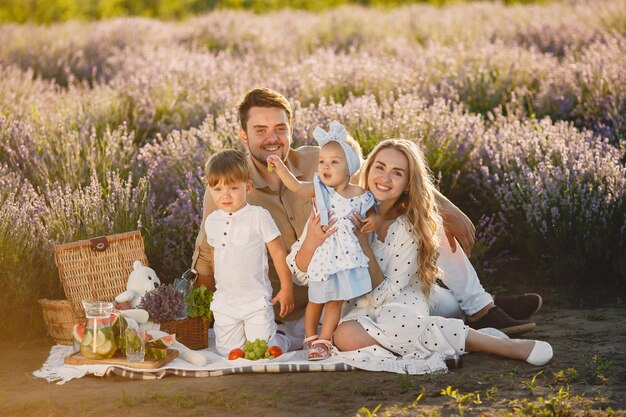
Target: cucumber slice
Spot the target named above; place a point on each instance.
(87, 338)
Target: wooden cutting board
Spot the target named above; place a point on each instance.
(78, 359)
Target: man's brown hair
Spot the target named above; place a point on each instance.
(228, 165)
(262, 97)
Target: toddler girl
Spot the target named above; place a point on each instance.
(338, 268)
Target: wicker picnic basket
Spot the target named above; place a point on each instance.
(97, 269)
(59, 319)
(191, 332)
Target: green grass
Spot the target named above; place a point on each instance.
(601, 368)
(552, 406)
(566, 376)
(531, 385)
(462, 401)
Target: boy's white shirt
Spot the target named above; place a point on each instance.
(241, 259)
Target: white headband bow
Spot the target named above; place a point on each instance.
(337, 133)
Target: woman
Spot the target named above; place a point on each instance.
(405, 247)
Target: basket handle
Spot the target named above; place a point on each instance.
(99, 244)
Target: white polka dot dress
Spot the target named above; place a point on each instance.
(338, 268)
(396, 312)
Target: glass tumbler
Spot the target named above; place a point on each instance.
(135, 345)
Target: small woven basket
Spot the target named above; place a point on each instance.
(97, 269)
(59, 318)
(193, 333)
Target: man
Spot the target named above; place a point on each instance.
(266, 129)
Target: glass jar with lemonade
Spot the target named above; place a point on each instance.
(99, 339)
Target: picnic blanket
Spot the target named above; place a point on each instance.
(371, 359)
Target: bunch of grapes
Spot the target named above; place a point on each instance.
(256, 350)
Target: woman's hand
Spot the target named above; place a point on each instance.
(316, 232)
(359, 228)
(376, 274)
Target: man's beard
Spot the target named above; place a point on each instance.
(264, 161)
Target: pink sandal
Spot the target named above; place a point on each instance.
(320, 349)
(307, 342)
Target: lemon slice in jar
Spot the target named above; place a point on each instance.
(99, 338)
(104, 349)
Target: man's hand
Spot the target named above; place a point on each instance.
(457, 225)
(285, 298)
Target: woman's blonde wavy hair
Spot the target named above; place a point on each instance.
(417, 204)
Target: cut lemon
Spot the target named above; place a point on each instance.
(100, 339)
(105, 348)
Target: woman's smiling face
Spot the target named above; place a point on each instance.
(388, 175)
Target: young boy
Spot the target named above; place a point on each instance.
(239, 234)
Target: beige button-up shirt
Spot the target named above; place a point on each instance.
(289, 211)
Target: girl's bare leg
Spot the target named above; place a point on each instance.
(332, 315)
(312, 316)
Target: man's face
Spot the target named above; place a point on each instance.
(268, 132)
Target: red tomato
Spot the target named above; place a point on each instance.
(275, 351)
(236, 354)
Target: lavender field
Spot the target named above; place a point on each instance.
(105, 127)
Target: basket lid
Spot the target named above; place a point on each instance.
(98, 269)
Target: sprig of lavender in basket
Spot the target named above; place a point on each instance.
(162, 303)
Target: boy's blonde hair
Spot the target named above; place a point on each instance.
(418, 205)
(229, 166)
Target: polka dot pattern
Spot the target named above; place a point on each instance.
(396, 312)
(341, 251)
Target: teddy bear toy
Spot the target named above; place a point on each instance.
(141, 280)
